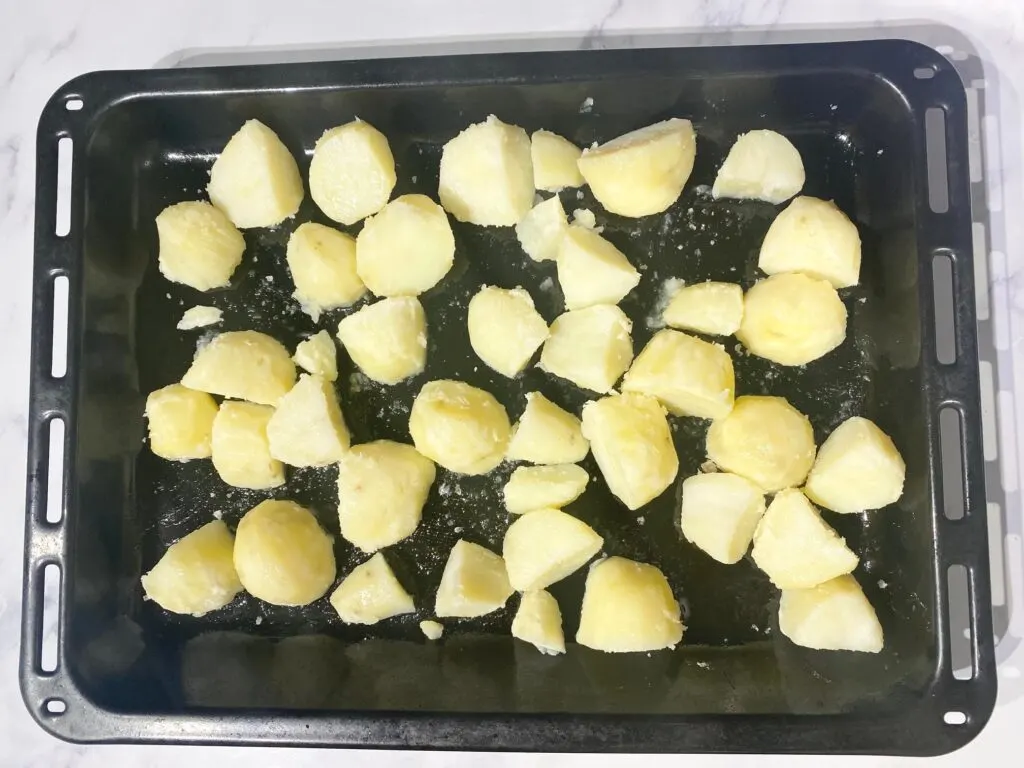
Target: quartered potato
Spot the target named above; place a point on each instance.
(505, 329)
(719, 513)
(241, 448)
(554, 485)
(590, 347)
(245, 365)
(371, 593)
(318, 356)
(546, 434)
(388, 339)
(834, 616)
(198, 317)
(539, 622)
(554, 162)
(761, 165)
(545, 546)
(814, 237)
(712, 308)
(541, 230)
(352, 172)
(474, 582)
(307, 428)
(322, 262)
(199, 246)
(592, 271)
(180, 423)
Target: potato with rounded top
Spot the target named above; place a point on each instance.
(814, 237)
(199, 246)
(590, 347)
(199, 317)
(540, 231)
(554, 162)
(371, 593)
(352, 172)
(241, 449)
(387, 339)
(322, 262)
(505, 329)
(307, 428)
(180, 423)
(834, 616)
(196, 574)
(539, 622)
(318, 356)
(244, 365)
(719, 513)
(474, 582)
(432, 630)
(553, 485)
(546, 434)
(593, 271)
(712, 308)
(761, 165)
(545, 546)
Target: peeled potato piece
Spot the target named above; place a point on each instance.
(583, 217)
(539, 622)
(474, 582)
(199, 317)
(632, 443)
(462, 428)
(382, 487)
(628, 607)
(318, 356)
(245, 365)
(858, 468)
(834, 616)
(352, 172)
(432, 630)
(792, 319)
(593, 271)
(641, 172)
(322, 262)
(795, 547)
(371, 593)
(180, 423)
(487, 174)
(554, 162)
(540, 231)
(388, 339)
(814, 237)
(545, 546)
(555, 485)
(241, 448)
(307, 428)
(719, 513)
(199, 246)
(282, 555)
(590, 347)
(761, 165)
(505, 329)
(255, 179)
(712, 308)
(764, 439)
(547, 434)
(406, 248)
(690, 377)
(196, 574)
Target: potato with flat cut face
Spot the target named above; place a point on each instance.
(474, 582)
(545, 546)
(318, 356)
(719, 513)
(352, 172)
(199, 246)
(432, 630)
(322, 262)
(540, 231)
(593, 271)
(834, 616)
(241, 448)
(371, 593)
(814, 237)
(307, 428)
(761, 165)
(547, 434)
(539, 622)
(388, 339)
(505, 329)
(199, 317)
(554, 162)
(245, 365)
(712, 308)
(590, 347)
(554, 485)
(180, 423)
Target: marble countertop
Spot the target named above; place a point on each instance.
(46, 42)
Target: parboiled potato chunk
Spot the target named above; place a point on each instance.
(307, 428)
(382, 487)
(690, 376)
(795, 547)
(255, 180)
(432, 630)
(554, 485)
(474, 582)
(554, 162)
(540, 231)
(487, 174)
(180, 423)
(719, 513)
(593, 271)
(539, 622)
(834, 616)
(245, 365)
(545, 546)
(712, 308)
(857, 469)
(547, 434)
(632, 443)
(371, 593)
(641, 172)
(322, 262)
(318, 356)
(199, 246)
(282, 555)
(764, 439)
(406, 248)
(388, 339)
(505, 329)
(199, 317)
(815, 237)
(761, 165)
(628, 607)
(590, 347)
(462, 428)
(196, 574)
(352, 172)
(241, 449)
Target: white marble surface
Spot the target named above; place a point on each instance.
(45, 42)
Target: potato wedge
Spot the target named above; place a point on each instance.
(318, 356)
(719, 513)
(712, 308)
(834, 616)
(322, 262)
(592, 271)
(241, 449)
(180, 423)
(371, 593)
(196, 574)
(554, 162)
(505, 330)
(245, 365)
(545, 546)
(539, 622)
(307, 428)
(352, 172)
(541, 230)
(761, 165)
(590, 347)
(388, 339)
(474, 582)
(546, 434)
(554, 485)
(814, 237)
(199, 246)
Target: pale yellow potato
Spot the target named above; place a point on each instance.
(814, 237)
(255, 180)
(245, 365)
(198, 317)
(545, 546)
(593, 271)
(199, 246)
(322, 262)
(641, 172)
(554, 162)
(432, 630)
(764, 439)
(712, 308)
(834, 616)
(546, 434)
(318, 356)
(282, 555)
(196, 574)
(505, 329)
(388, 339)
(180, 423)
(241, 448)
(690, 376)
(541, 230)
(371, 593)
(632, 444)
(719, 512)
(858, 468)
(795, 547)
(792, 319)
(307, 428)
(462, 428)
(382, 487)
(406, 248)
(583, 217)
(590, 347)
(352, 172)
(761, 165)
(474, 582)
(553, 485)
(539, 622)
(628, 607)
(487, 174)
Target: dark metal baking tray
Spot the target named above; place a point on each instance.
(252, 673)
